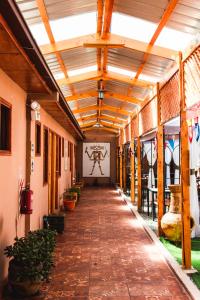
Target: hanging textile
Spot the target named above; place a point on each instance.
(176, 159)
(194, 202)
(168, 158)
(150, 150)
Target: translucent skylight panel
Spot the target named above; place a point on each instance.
(121, 71)
(59, 75)
(149, 78)
(174, 39)
(82, 70)
(132, 27)
(74, 26)
(39, 32)
(142, 30)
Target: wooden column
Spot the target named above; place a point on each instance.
(120, 168)
(185, 173)
(160, 164)
(117, 166)
(124, 168)
(139, 174)
(132, 172)
(28, 156)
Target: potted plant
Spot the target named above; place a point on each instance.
(75, 189)
(31, 261)
(69, 200)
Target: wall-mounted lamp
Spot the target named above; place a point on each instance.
(35, 105)
(35, 113)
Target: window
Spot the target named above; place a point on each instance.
(5, 127)
(37, 138)
(45, 155)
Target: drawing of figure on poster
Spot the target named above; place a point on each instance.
(96, 160)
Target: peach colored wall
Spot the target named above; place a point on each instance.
(12, 169)
(40, 196)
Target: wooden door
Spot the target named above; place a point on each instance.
(53, 177)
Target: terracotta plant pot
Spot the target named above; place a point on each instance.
(69, 204)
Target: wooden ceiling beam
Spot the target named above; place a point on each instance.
(101, 128)
(96, 75)
(108, 8)
(114, 41)
(85, 95)
(99, 30)
(126, 79)
(90, 117)
(103, 107)
(103, 117)
(45, 20)
(107, 95)
(110, 125)
(93, 75)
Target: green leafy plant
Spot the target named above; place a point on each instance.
(32, 256)
(75, 190)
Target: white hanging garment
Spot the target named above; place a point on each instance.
(168, 158)
(194, 202)
(151, 157)
(176, 158)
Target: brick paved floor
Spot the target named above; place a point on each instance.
(105, 254)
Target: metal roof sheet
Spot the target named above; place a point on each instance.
(79, 58)
(143, 9)
(83, 86)
(30, 11)
(186, 16)
(64, 8)
(125, 58)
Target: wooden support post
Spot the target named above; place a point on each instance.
(132, 172)
(120, 168)
(117, 165)
(28, 156)
(139, 174)
(185, 174)
(160, 164)
(124, 168)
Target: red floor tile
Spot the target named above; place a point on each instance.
(105, 254)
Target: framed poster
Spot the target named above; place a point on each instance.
(96, 159)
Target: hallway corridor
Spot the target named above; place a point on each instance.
(105, 254)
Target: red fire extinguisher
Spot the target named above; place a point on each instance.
(26, 201)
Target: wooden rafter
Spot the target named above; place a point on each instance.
(103, 117)
(114, 41)
(101, 128)
(103, 107)
(45, 19)
(95, 75)
(90, 124)
(87, 118)
(160, 27)
(99, 30)
(108, 8)
(114, 119)
(108, 95)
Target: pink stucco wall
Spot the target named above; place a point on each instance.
(40, 196)
(13, 167)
